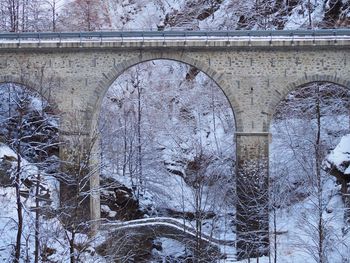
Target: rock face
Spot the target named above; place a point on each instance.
(337, 163)
(192, 11)
(118, 201)
(7, 162)
(5, 166)
(336, 13)
(127, 246)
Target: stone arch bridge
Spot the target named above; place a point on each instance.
(255, 70)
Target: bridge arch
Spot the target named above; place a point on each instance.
(116, 72)
(120, 68)
(31, 86)
(305, 125)
(302, 82)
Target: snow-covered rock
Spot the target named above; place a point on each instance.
(339, 158)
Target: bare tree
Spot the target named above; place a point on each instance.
(87, 15)
(24, 15)
(55, 6)
(28, 130)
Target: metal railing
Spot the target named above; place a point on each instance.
(172, 34)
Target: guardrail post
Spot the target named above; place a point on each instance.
(292, 35)
(250, 40)
(101, 39)
(39, 44)
(185, 43)
(164, 44)
(19, 40)
(314, 38)
(80, 42)
(270, 39)
(206, 42)
(335, 37)
(228, 39)
(60, 37)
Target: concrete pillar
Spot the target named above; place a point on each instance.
(80, 166)
(252, 195)
(95, 205)
(74, 181)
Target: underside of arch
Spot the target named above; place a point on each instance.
(29, 85)
(303, 82)
(120, 68)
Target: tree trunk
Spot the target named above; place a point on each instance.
(54, 16)
(214, 122)
(18, 196)
(309, 13)
(139, 146)
(37, 221)
(275, 234)
(125, 144)
(71, 248)
(319, 179)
